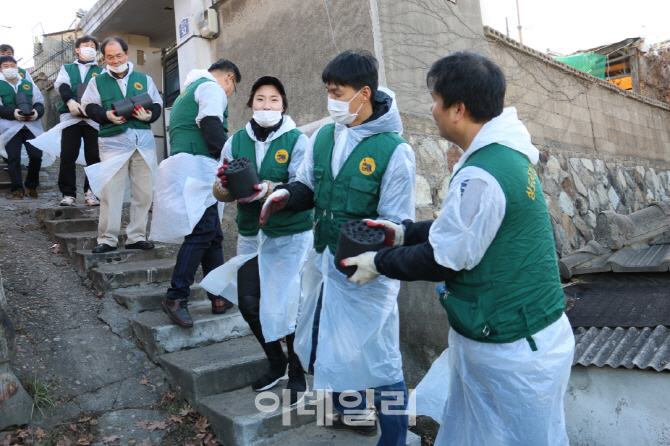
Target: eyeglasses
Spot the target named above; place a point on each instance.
(234, 83)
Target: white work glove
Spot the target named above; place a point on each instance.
(32, 117)
(395, 233)
(118, 120)
(75, 108)
(18, 115)
(141, 114)
(366, 270)
(262, 189)
(275, 202)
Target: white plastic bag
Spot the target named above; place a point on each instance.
(50, 142)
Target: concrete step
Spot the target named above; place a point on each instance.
(71, 225)
(74, 241)
(313, 435)
(65, 213)
(216, 368)
(159, 335)
(6, 186)
(4, 175)
(149, 297)
(108, 277)
(238, 422)
(85, 260)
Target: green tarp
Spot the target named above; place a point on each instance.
(591, 63)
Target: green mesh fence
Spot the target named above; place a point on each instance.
(591, 63)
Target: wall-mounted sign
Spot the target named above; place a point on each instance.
(183, 28)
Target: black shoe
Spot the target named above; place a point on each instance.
(220, 306)
(297, 386)
(269, 380)
(177, 310)
(142, 244)
(362, 428)
(103, 247)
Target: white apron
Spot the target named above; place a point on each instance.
(50, 142)
(280, 264)
(500, 394)
(359, 340)
(184, 184)
(11, 128)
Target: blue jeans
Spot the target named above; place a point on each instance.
(201, 247)
(394, 427)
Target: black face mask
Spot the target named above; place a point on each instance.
(262, 133)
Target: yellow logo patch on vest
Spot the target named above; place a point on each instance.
(138, 86)
(22, 75)
(281, 156)
(367, 166)
(26, 87)
(94, 74)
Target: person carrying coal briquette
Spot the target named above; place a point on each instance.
(505, 373)
(358, 167)
(264, 277)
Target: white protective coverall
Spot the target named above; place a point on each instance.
(9, 128)
(50, 142)
(359, 341)
(280, 259)
(118, 154)
(184, 181)
(482, 393)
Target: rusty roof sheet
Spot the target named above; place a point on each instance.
(641, 348)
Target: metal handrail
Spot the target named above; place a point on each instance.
(51, 61)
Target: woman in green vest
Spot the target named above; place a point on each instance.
(264, 278)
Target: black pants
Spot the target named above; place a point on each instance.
(69, 151)
(249, 298)
(201, 247)
(13, 148)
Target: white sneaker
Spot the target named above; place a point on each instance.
(68, 201)
(91, 199)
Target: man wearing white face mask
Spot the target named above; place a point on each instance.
(184, 208)
(269, 260)
(75, 125)
(357, 168)
(18, 126)
(127, 147)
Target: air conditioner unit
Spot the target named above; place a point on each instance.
(209, 26)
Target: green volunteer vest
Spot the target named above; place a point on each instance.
(354, 194)
(75, 79)
(515, 291)
(274, 168)
(110, 92)
(7, 92)
(185, 135)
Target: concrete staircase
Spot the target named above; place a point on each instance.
(214, 363)
(47, 187)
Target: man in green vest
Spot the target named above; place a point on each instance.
(510, 343)
(71, 112)
(127, 147)
(18, 127)
(8, 50)
(197, 136)
(358, 167)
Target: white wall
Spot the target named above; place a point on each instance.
(618, 407)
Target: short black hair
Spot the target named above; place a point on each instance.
(227, 67)
(357, 69)
(86, 39)
(119, 40)
(5, 47)
(471, 79)
(269, 80)
(4, 59)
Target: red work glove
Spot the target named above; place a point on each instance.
(275, 202)
(395, 233)
(221, 173)
(262, 191)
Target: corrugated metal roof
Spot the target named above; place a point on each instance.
(623, 347)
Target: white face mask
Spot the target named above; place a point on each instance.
(267, 118)
(10, 73)
(120, 69)
(87, 53)
(339, 110)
